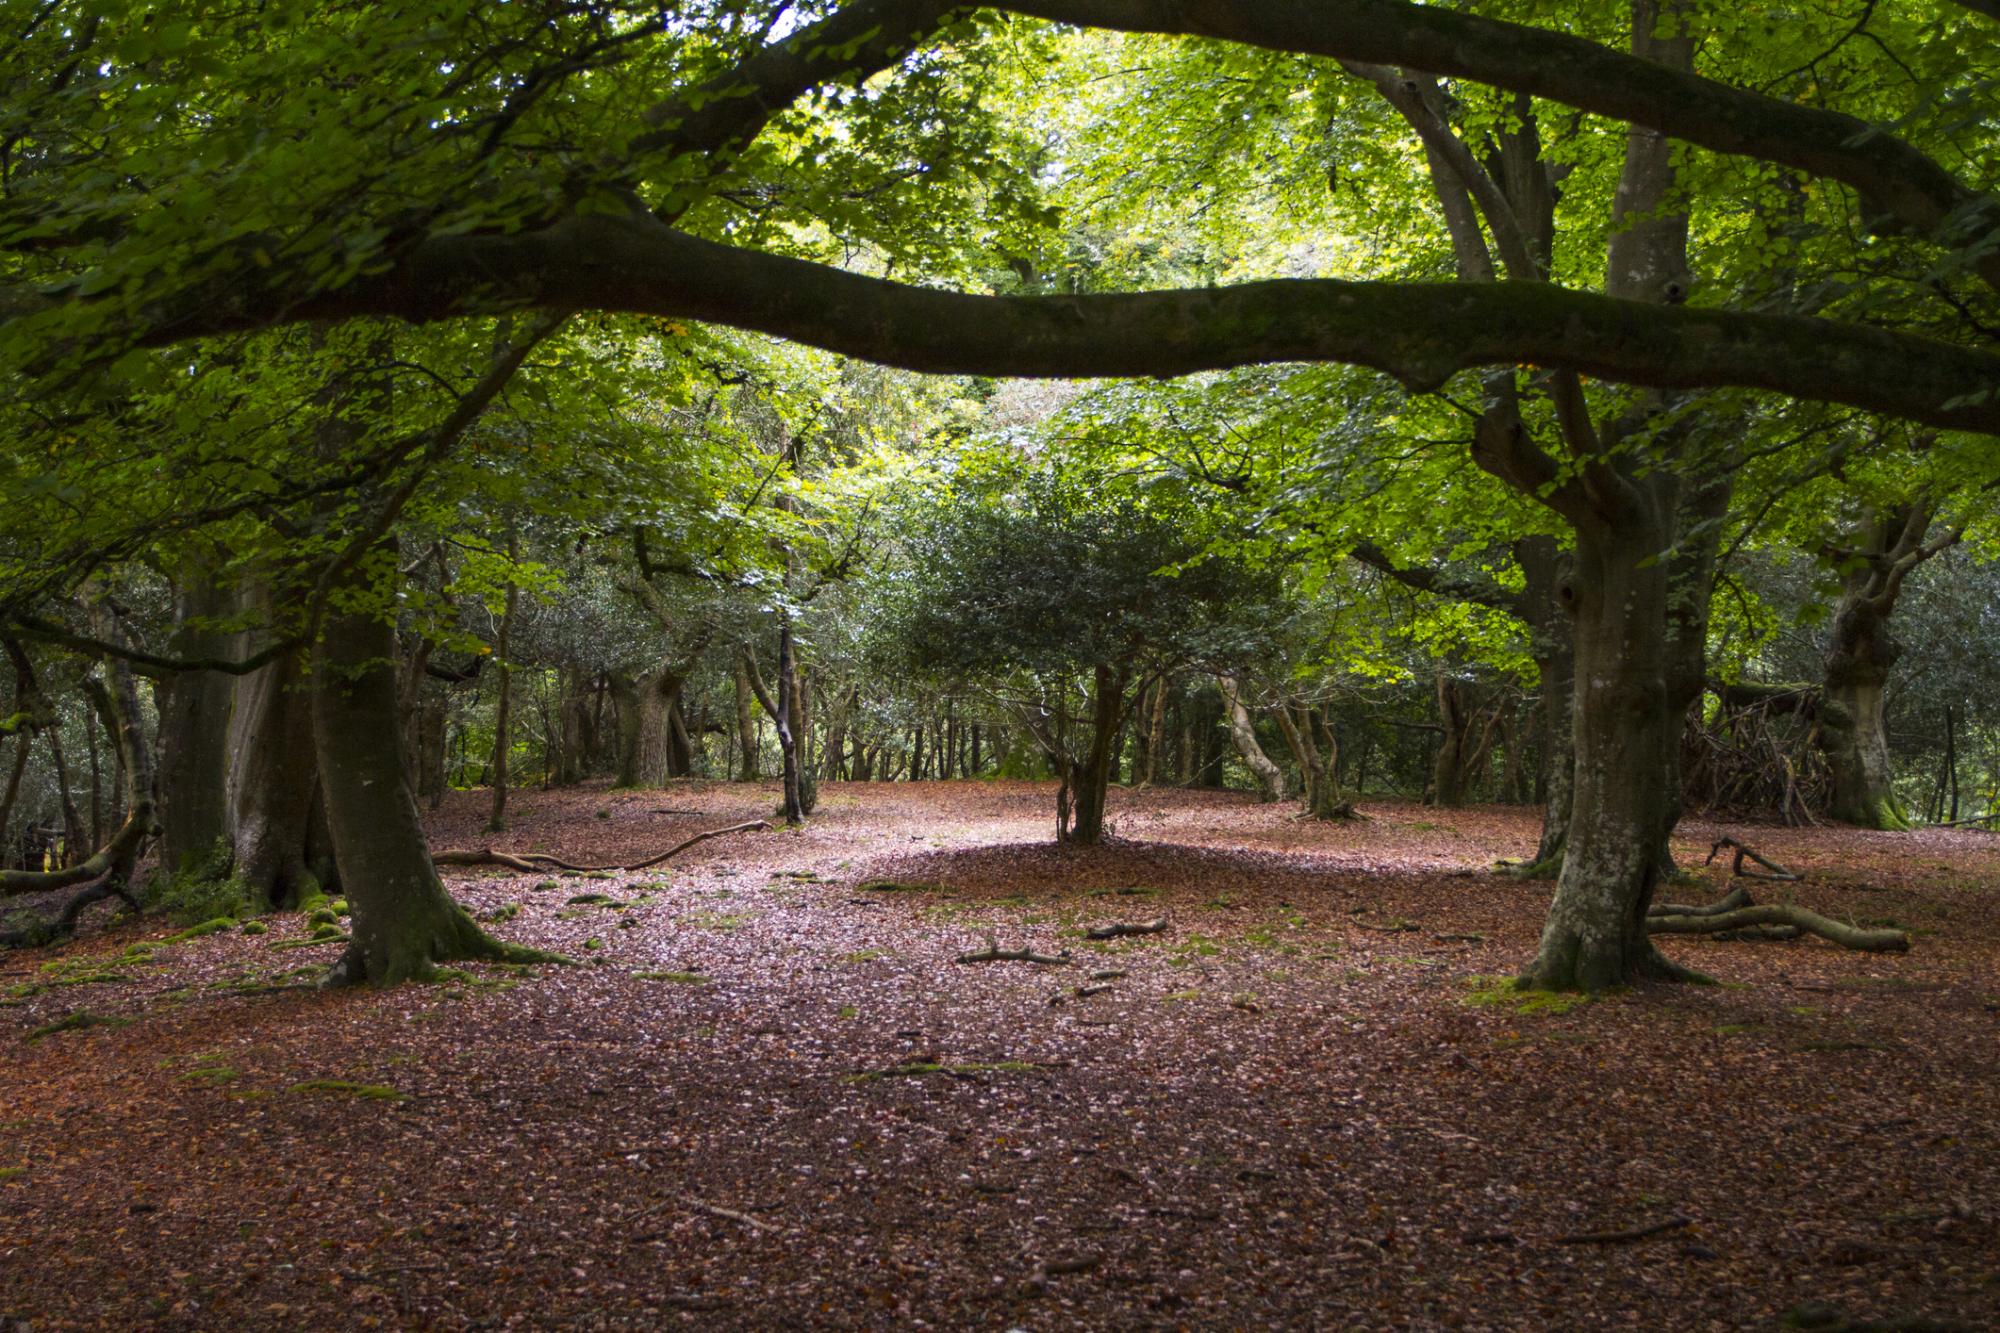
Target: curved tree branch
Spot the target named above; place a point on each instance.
(1421, 333)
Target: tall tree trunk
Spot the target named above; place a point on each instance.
(625, 698)
(1449, 773)
(1884, 548)
(404, 923)
(746, 725)
(1552, 640)
(503, 708)
(272, 781)
(573, 744)
(1638, 618)
(1626, 732)
(1269, 777)
(786, 715)
(75, 839)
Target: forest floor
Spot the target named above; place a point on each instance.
(768, 1097)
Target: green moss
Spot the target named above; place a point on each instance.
(254, 928)
(901, 886)
(8, 1173)
(334, 1087)
(505, 912)
(847, 1011)
(678, 978)
(212, 927)
(202, 889)
(863, 956)
(1180, 996)
(339, 907)
(595, 900)
(77, 1022)
(337, 936)
(718, 920)
(593, 944)
(211, 1074)
(543, 886)
(323, 916)
(1185, 950)
(1509, 993)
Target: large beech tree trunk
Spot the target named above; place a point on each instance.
(404, 923)
(1626, 734)
(273, 780)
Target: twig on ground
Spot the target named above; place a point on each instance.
(537, 862)
(994, 954)
(1626, 1236)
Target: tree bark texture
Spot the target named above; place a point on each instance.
(403, 922)
(1269, 777)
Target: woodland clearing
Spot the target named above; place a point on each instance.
(767, 1096)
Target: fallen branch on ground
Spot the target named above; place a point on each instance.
(994, 954)
(534, 863)
(1738, 897)
(1846, 936)
(1736, 868)
(1120, 929)
(1627, 1236)
(729, 1214)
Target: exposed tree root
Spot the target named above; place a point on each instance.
(534, 863)
(1120, 929)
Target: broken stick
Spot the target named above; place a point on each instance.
(994, 954)
(1736, 868)
(1120, 929)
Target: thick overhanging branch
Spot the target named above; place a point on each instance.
(1420, 333)
(145, 663)
(1896, 181)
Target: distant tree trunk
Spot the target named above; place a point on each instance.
(1269, 777)
(975, 765)
(746, 724)
(786, 716)
(503, 708)
(574, 735)
(75, 840)
(1320, 768)
(1552, 640)
(1884, 548)
(625, 698)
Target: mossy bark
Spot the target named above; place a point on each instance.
(404, 923)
